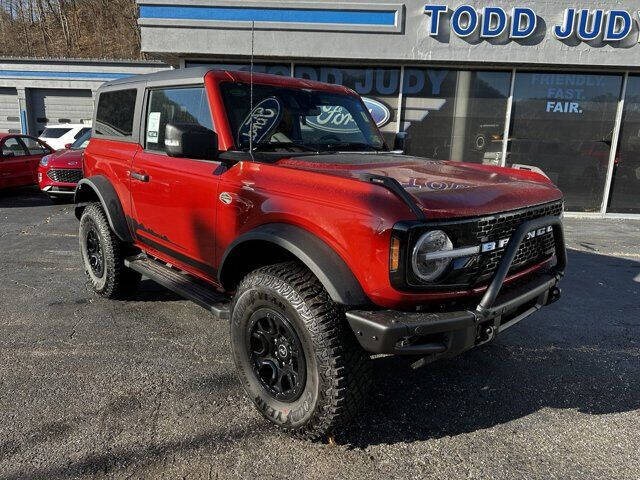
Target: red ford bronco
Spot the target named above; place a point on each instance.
(276, 204)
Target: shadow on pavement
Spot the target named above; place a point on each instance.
(105, 460)
(581, 353)
(22, 197)
(150, 291)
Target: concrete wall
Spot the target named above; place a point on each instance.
(331, 30)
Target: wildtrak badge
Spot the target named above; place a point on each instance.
(497, 245)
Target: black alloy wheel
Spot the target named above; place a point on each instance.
(297, 358)
(103, 255)
(94, 252)
(277, 357)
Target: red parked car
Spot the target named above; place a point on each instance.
(19, 158)
(60, 172)
(275, 203)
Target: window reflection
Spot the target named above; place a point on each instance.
(625, 190)
(379, 84)
(562, 124)
(456, 115)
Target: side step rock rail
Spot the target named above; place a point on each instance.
(182, 284)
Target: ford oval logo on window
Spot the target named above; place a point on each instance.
(261, 121)
(379, 111)
(337, 119)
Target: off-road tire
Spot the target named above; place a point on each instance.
(116, 281)
(337, 368)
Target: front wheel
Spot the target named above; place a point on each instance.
(298, 360)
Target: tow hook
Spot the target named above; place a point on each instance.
(554, 295)
(485, 335)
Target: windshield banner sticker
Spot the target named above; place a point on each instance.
(334, 118)
(266, 116)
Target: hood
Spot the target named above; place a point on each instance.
(441, 188)
(66, 159)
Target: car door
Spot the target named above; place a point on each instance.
(174, 199)
(35, 151)
(15, 171)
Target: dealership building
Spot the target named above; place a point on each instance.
(544, 84)
(35, 92)
(547, 85)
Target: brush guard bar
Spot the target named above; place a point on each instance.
(448, 333)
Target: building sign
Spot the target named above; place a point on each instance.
(522, 22)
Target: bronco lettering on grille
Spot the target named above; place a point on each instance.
(491, 246)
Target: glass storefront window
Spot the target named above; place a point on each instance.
(455, 114)
(625, 189)
(273, 69)
(379, 87)
(562, 125)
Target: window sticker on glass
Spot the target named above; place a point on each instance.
(333, 118)
(153, 127)
(266, 116)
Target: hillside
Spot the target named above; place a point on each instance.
(69, 28)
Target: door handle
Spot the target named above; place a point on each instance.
(141, 177)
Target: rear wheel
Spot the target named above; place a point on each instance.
(103, 255)
(298, 360)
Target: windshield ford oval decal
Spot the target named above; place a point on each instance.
(266, 116)
(379, 111)
(334, 118)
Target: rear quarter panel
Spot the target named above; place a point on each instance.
(113, 160)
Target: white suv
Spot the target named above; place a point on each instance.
(59, 136)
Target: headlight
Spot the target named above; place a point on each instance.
(429, 257)
(44, 161)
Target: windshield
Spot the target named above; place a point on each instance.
(54, 132)
(287, 119)
(82, 141)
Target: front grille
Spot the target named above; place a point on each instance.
(479, 269)
(501, 226)
(531, 251)
(65, 175)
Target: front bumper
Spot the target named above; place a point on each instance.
(449, 333)
(59, 190)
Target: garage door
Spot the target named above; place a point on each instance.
(9, 111)
(54, 106)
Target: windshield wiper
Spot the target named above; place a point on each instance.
(271, 146)
(350, 146)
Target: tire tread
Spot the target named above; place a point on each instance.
(121, 281)
(344, 365)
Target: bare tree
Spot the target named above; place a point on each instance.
(70, 28)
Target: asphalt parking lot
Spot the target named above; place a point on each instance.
(146, 388)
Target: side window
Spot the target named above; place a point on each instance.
(175, 105)
(13, 148)
(114, 117)
(34, 147)
(80, 133)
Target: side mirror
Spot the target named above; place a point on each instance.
(67, 146)
(401, 143)
(187, 140)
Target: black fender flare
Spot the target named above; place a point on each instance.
(100, 186)
(334, 274)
